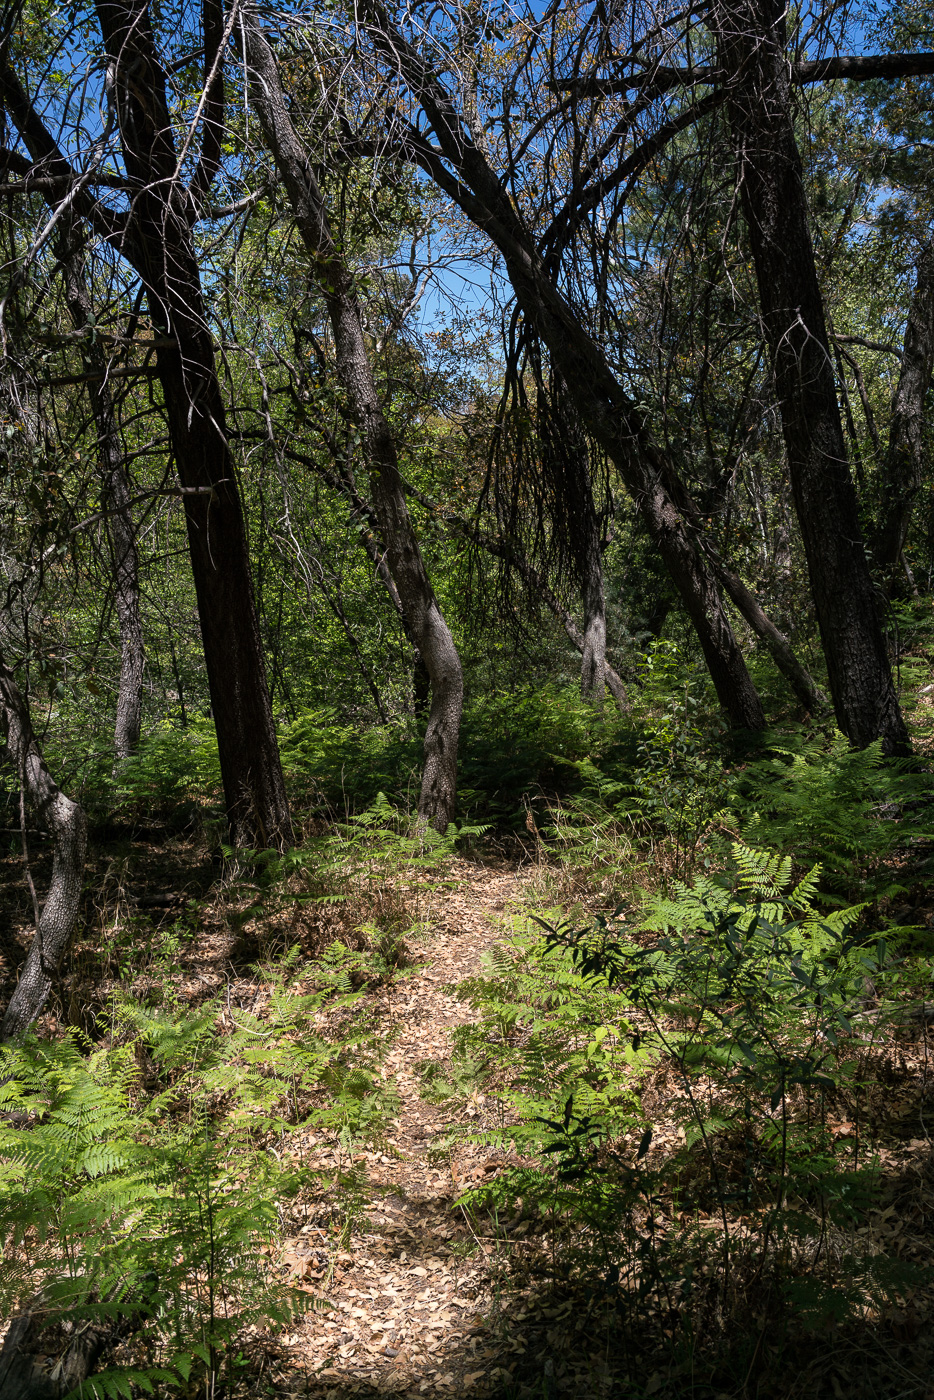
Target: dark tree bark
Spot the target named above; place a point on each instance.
(121, 533)
(751, 39)
(902, 467)
(462, 171)
(155, 236)
(43, 1359)
(35, 1365)
(66, 825)
(805, 688)
(335, 280)
(164, 254)
(802, 683)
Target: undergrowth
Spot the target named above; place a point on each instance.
(146, 1176)
(710, 982)
(736, 1010)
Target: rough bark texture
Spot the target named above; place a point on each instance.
(588, 560)
(751, 38)
(602, 405)
(164, 253)
(432, 636)
(807, 691)
(805, 688)
(121, 533)
(45, 1356)
(31, 1369)
(66, 825)
(903, 465)
(610, 419)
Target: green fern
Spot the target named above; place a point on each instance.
(762, 890)
(835, 807)
(164, 1205)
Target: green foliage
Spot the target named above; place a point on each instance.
(847, 809)
(148, 1179)
(747, 1001)
(174, 771)
(342, 768)
(553, 1050)
(517, 744)
(511, 745)
(376, 874)
(661, 782)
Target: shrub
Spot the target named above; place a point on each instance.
(846, 809)
(731, 1009)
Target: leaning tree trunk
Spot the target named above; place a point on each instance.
(798, 677)
(121, 533)
(164, 253)
(902, 467)
(603, 407)
(805, 688)
(365, 522)
(432, 635)
(751, 36)
(609, 418)
(66, 825)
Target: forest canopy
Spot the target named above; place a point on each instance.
(436, 429)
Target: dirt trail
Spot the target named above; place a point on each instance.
(407, 1298)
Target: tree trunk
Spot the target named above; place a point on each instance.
(254, 788)
(66, 825)
(365, 522)
(41, 1360)
(805, 688)
(116, 492)
(614, 425)
(600, 401)
(799, 678)
(751, 36)
(433, 638)
(902, 467)
(588, 560)
(539, 589)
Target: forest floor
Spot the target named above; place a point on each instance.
(420, 1299)
(424, 1300)
(411, 1303)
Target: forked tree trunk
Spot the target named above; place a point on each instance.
(121, 533)
(432, 635)
(66, 825)
(902, 468)
(751, 37)
(163, 251)
(541, 592)
(589, 567)
(609, 418)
